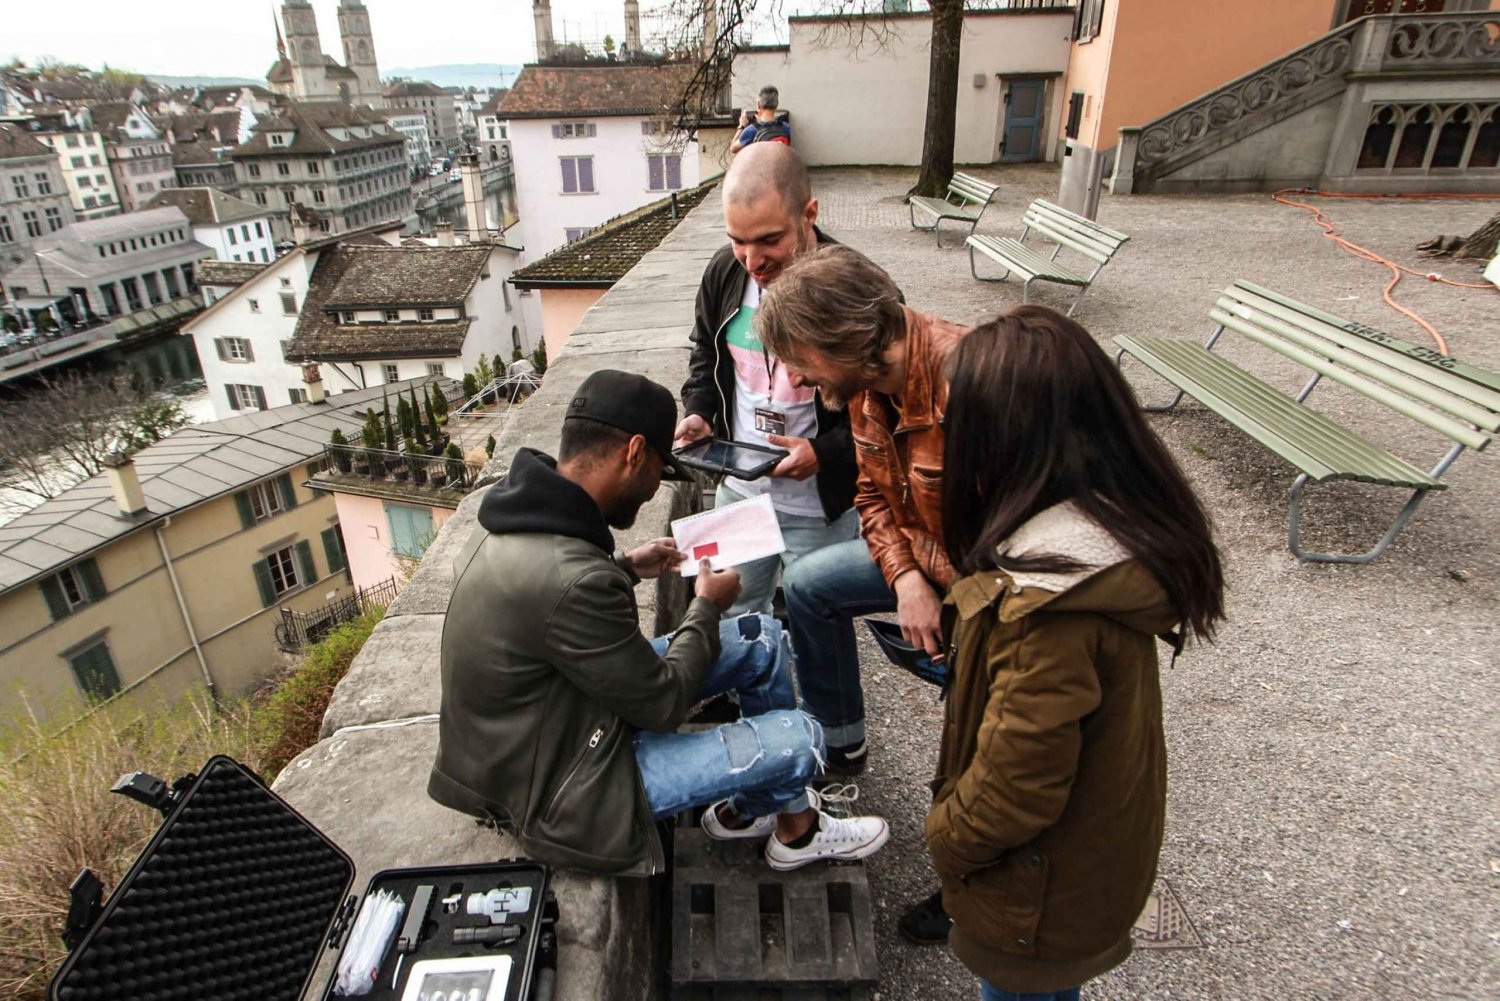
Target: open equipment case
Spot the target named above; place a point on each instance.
(238, 897)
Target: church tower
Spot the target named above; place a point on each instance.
(541, 15)
(309, 77)
(359, 50)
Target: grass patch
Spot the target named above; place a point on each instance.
(287, 721)
(57, 815)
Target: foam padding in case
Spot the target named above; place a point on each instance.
(233, 899)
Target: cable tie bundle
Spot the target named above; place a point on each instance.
(371, 938)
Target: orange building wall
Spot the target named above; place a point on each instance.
(1156, 55)
(562, 310)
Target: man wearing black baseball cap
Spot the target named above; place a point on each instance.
(558, 716)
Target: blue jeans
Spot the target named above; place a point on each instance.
(802, 535)
(989, 992)
(761, 763)
(824, 591)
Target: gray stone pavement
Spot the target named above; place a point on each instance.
(1334, 811)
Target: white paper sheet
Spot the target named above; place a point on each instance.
(736, 533)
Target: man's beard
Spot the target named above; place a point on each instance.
(627, 506)
(838, 397)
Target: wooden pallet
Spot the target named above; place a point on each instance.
(741, 930)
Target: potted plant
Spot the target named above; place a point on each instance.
(414, 464)
(457, 468)
(471, 384)
(371, 438)
(340, 450)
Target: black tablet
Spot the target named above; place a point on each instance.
(730, 458)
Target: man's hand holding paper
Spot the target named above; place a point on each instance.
(729, 536)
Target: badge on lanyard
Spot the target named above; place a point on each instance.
(768, 421)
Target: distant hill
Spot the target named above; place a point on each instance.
(459, 74)
(202, 81)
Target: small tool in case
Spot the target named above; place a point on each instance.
(238, 897)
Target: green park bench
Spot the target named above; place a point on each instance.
(965, 192)
(1458, 401)
(1063, 228)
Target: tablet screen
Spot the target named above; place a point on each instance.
(727, 453)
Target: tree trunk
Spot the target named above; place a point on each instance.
(942, 98)
(1483, 241)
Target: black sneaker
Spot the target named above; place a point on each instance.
(926, 923)
(845, 761)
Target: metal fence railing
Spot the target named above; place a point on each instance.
(298, 630)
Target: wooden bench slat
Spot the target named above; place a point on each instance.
(1420, 353)
(1471, 392)
(1020, 258)
(942, 209)
(1366, 364)
(1090, 235)
(1311, 442)
(1440, 423)
(1058, 210)
(1072, 240)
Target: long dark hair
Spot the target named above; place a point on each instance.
(1038, 415)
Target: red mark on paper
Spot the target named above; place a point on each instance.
(705, 551)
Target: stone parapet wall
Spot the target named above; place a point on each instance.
(364, 783)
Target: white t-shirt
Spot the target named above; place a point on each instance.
(761, 384)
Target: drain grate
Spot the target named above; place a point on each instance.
(737, 923)
(1165, 924)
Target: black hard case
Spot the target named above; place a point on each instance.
(237, 896)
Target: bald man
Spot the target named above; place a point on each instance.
(737, 390)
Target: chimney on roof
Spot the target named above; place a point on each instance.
(710, 28)
(541, 13)
(313, 380)
(444, 233)
(125, 482)
(302, 230)
(473, 183)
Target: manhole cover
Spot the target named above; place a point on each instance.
(1165, 924)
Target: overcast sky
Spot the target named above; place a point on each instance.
(236, 38)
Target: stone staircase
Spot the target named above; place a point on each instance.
(1301, 119)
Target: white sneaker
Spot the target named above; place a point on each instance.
(760, 827)
(838, 839)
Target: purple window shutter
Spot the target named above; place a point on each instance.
(654, 169)
(556, 131)
(645, 128)
(570, 175)
(585, 173)
(674, 172)
(593, 130)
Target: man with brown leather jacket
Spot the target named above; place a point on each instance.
(837, 322)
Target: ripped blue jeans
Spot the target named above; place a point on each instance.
(761, 763)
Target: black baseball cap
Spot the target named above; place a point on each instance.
(634, 404)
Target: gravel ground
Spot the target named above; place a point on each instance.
(1332, 822)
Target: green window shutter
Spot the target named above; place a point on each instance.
(247, 513)
(288, 495)
(94, 670)
(234, 401)
(260, 398)
(93, 584)
(263, 581)
(307, 572)
(249, 351)
(333, 552)
(56, 603)
(222, 350)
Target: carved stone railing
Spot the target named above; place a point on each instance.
(1387, 44)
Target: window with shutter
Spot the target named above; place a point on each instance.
(569, 175)
(260, 398)
(307, 571)
(333, 549)
(585, 173)
(593, 130)
(219, 347)
(94, 670)
(89, 576)
(557, 130)
(411, 529)
(288, 495)
(674, 172)
(656, 175)
(645, 128)
(263, 582)
(247, 514)
(57, 605)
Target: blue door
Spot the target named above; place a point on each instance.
(1024, 110)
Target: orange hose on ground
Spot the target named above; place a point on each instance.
(1330, 230)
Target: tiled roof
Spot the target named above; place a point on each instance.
(555, 91)
(109, 117)
(309, 123)
(414, 88)
(195, 464)
(129, 224)
(280, 72)
(601, 257)
(193, 153)
(225, 273)
(407, 276)
(207, 206)
(492, 106)
(353, 277)
(15, 144)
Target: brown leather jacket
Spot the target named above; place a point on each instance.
(1050, 796)
(899, 492)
